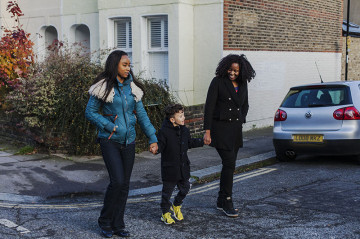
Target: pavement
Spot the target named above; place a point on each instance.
(40, 177)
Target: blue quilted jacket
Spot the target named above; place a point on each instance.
(122, 108)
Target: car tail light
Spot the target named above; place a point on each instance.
(280, 115)
(347, 113)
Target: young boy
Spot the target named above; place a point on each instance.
(174, 140)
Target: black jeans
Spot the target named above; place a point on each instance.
(119, 161)
(167, 190)
(228, 158)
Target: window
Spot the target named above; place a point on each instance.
(158, 48)
(51, 35)
(82, 36)
(304, 97)
(123, 35)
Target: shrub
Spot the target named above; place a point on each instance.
(16, 53)
(53, 98)
(157, 96)
(51, 101)
(25, 150)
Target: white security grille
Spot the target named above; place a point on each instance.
(123, 35)
(158, 48)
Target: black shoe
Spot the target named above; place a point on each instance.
(107, 234)
(122, 233)
(228, 208)
(220, 203)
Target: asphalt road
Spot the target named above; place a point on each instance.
(308, 198)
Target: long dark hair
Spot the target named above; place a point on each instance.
(247, 73)
(111, 72)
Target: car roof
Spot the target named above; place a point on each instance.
(348, 83)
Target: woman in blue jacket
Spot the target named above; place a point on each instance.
(114, 106)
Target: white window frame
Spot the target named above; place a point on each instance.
(128, 30)
(164, 26)
(163, 48)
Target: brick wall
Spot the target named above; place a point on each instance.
(194, 119)
(354, 59)
(9, 128)
(283, 25)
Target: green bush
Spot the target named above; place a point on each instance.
(25, 150)
(52, 101)
(157, 96)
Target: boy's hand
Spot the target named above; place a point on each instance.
(207, 137)
(154, 148)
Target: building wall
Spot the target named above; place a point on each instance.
(195, 40)
(208, 41)
(276, 72)
(195, 34)
(5, 17)
(71, 7)
(283, 39)
(64, 15)
(354, 59)
(283, 25)
(354, 11)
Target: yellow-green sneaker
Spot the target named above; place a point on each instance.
(177, 212)
(167, 219)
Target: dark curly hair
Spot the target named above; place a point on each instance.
(247, 73)
(171, 110)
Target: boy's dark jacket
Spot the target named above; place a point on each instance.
(174, 143)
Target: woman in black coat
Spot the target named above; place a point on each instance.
(226, 108)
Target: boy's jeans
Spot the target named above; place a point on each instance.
(167, 190)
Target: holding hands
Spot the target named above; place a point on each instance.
(207, 137)
(154, 148)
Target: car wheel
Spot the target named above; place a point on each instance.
(283, 156)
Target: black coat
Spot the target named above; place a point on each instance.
(225, 112)
(174, 143)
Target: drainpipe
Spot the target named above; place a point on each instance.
(347, 40)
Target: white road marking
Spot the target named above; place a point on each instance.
(10, 224)
(238, 178)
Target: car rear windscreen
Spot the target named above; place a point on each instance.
(317, 96)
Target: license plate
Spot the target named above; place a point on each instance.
(315, 138)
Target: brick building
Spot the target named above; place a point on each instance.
(354, 46)
(283, 39)
(181, 41)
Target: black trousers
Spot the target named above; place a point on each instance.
(228, 158)
(167, 190)
(119, 161)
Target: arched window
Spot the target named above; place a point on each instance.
(82, 36)
(51, 35)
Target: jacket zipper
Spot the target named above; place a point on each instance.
(125, 116)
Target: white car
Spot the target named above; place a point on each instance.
(318, 119)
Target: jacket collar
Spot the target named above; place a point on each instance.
(167, 124)
(127, 81)
(98, 90)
